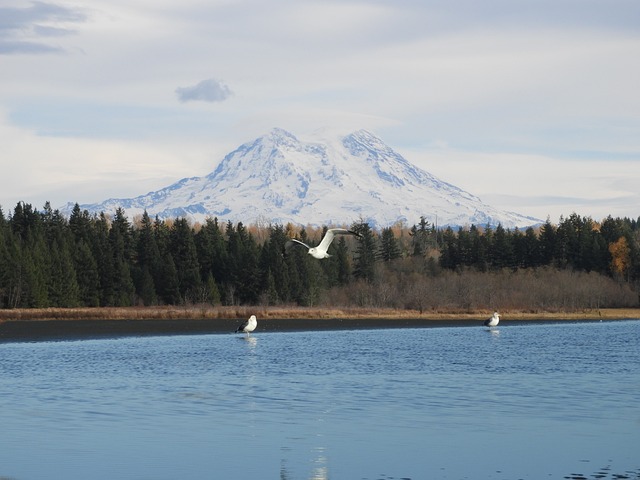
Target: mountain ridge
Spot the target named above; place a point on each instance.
(325, 179)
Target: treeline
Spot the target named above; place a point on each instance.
(611, 247)
(48, 260)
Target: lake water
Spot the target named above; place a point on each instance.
(522, 401)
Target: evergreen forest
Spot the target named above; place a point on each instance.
(49, 260)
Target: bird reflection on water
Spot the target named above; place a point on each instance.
(251, 341)
(320, 470)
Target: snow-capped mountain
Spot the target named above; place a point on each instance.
(324, 180)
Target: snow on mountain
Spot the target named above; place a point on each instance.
(323, 180)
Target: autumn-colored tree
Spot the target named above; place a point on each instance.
(620, 257)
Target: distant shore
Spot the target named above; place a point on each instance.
(59, 323)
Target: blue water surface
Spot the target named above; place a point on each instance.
(522, 401)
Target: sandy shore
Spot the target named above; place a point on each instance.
(57, 324)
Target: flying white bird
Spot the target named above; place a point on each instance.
(493, 321)
(320, 251)
(248, 326)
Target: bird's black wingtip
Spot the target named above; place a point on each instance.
(287, 246)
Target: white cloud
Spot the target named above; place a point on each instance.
(209, 90)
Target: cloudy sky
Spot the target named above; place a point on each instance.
(533, 105)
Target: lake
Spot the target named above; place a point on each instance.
(553, 400)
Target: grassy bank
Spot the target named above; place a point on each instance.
(207, 312)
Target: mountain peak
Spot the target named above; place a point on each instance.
(365, 136)
(327, 180)
(280, 136)
(364, 142)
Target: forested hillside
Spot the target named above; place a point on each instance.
(47, 260)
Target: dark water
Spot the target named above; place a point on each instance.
(529, 401)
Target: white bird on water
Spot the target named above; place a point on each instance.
(493, 321)
(248, 326)
(320, 251)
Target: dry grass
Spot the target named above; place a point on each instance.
(294, 312)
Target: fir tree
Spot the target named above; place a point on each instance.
(121, 242)
(275, 278)
(87, 275)
(342, 270)
(389, 249)
(364, 262)
(212, 252)
(148, 266)
(547, 243)
(183, 251)
(449, 257)
(166, 277)
(103, 253)
(501, 250)
(420, 236)
(212, 293)
(479, 257)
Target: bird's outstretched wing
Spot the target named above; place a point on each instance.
(331, 233)
(292, 242)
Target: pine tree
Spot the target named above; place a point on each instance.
(212, 252)
(531, 257)
(297, 264)
(34, 268)
(275, 278)
(80, 224)
(364, 263)
(421, 234)
(63, 290)
(342, 273)
(11, 271)
(547, 243)
(4, 261)
(501, 250)
(169, 286)
(464, 248)
(212, 294)
(62, 285)
(121, 243)
(32, 271)
(87, 275)
(247, 256)
(145, 286)
(271, 292)
(449, 257)
(103, 253)
(166, 277)
(148, 265)
(389, 249)
(478, 245)
(183, 251)
(612, 229)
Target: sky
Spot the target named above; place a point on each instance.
(532, 105)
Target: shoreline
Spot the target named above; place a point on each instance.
(70, 324)
(206, 312)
